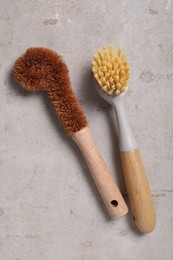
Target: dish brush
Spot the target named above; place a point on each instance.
(111, 71)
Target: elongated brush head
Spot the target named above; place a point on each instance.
(44, 69)
(111, 70)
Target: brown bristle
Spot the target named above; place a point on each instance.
(44, 69)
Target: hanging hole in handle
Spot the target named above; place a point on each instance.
(114, 203)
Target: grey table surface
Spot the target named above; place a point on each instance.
(49, 207)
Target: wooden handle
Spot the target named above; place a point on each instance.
(138, 191)
(109, 191)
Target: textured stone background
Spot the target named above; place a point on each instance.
(49, 206)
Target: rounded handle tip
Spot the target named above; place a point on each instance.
(117, 210)
(146, 226)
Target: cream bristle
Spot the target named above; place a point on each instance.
(111, 70)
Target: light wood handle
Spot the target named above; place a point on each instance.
(109, 191)
(138, 191)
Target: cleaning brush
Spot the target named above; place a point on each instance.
(111, 71)
(44, 69)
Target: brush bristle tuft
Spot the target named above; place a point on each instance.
(111, 70)
(44, 69)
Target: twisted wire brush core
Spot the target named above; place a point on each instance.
(111, 70)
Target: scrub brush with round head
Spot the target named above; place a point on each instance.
(111, 71)
(44, 69)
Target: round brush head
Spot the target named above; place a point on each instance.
(43, 69)
(111, 70)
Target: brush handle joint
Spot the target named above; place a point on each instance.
(127, 140)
